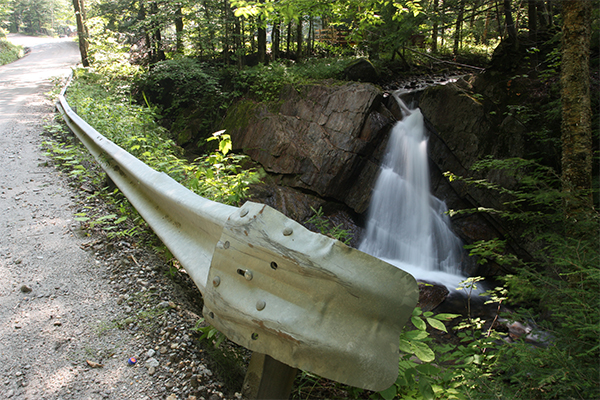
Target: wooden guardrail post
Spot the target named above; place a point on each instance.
(268, 378)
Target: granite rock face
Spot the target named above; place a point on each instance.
(326, 140)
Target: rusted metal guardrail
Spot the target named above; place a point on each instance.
(268, 283)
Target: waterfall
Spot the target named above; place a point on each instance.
(407, 226)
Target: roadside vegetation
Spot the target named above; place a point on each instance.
(8, 51)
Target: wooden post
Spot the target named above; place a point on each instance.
(268, 378)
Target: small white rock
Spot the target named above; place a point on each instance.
(152, 362)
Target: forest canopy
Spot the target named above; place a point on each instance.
(233, 30)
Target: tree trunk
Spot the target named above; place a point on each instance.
(299, 38)
(459, 21)
(179, 29)
(542, 16)
(532, 16)
(226, 41)
(262, 38)
(510, 23)
(147, 37)
(157, 53)
(484, 39)
(576, 109)
(434, 33)
(276, 39)
(499, 19)
(252, 28)
(311, 37)
(289, 38)
(238, 42)
(211, 29)
(82, 31)
(262, 42)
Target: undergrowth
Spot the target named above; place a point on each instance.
(9, 52)
(221, 175)
(556, 291)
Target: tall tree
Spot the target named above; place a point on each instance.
(434, 30)
(82, 31)
(511, 29)
(457, 30)
(576, 108)
(179, 28)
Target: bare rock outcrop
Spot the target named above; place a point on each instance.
(323, 139)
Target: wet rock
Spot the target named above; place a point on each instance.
(431, 295)
(462, 132)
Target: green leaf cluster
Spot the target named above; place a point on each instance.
(555, 291)
(220, 175)
(9, 52)
(325, 227)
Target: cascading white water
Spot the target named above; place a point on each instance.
(406, 225)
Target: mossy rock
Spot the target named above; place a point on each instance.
(361, 70)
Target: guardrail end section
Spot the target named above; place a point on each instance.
(307, 300)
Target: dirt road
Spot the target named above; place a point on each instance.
(60, 304)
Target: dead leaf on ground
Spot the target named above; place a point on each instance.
(94, 364)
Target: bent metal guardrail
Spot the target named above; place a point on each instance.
(268, 283)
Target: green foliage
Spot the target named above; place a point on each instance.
(556, 291)
(261, 82)
(186, 85)
(109, 53)
(41, 17)
(563, 301)
(264, 82)
(533, 198)
(324, 226)
(209, 333)
(429, 370)
(119, 219)
(9, 52)
(219, 176)
(491, 250)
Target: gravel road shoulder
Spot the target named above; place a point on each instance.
(75, 308)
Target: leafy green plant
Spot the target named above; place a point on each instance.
(325, 227)
(491, 250)
(222, 176)
(9, 52)
(419, 377)
(70, 155)
(183, 87)
(556, 291)
(209, 333)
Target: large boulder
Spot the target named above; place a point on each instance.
(324, 139)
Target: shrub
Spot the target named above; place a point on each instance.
(9, 52)
(182, 87)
